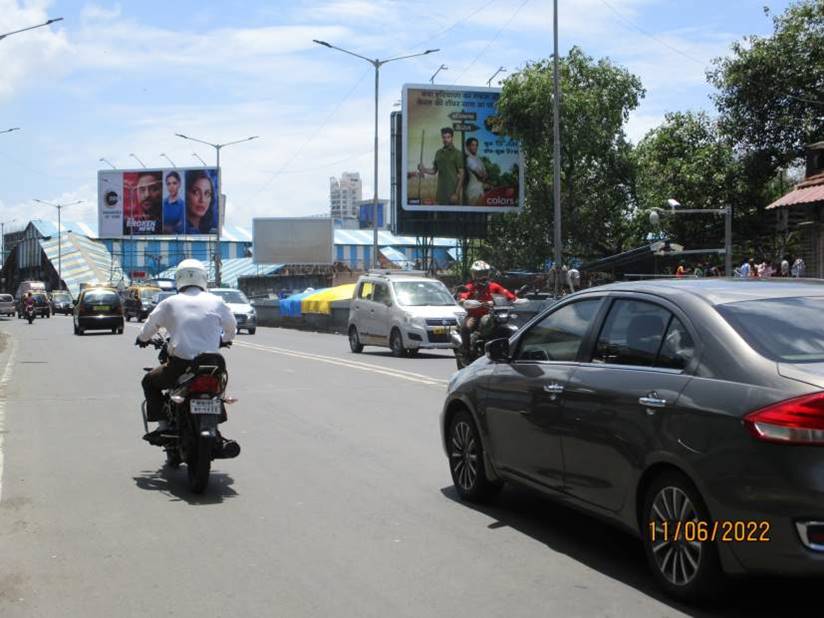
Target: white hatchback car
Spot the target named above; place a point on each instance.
(405, 312)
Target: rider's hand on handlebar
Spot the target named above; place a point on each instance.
(141, 343)
(225, 344)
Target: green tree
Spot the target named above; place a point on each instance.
(597, 172)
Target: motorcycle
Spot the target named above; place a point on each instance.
(29, 313)
(193, 408)
(494, 325)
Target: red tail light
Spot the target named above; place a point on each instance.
(795, 421)
(204, 384)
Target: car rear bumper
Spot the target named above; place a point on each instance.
(100, 322)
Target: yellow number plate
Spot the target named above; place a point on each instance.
(101, 307)
(439, 330)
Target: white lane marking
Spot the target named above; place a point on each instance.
(4, 381)
(351, 364)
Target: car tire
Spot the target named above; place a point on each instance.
(252, 331)
(120, 331)
(466, 460)
(412, 351)
(139, 317)
(396, 343)
(80, 331)
(128, 317)
(686, 571)
(354, 340)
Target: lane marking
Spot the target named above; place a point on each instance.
(4, 381)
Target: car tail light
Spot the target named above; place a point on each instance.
(204, 384)
(795, 421)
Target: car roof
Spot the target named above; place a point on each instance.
(719, 290)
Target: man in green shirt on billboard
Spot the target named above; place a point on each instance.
(449, 166)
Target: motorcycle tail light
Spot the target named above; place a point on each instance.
(204, 384)
(794, 421)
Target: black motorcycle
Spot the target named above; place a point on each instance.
(193, 408)
(494, 325)
(29, 313)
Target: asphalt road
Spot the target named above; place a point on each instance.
(340, 504)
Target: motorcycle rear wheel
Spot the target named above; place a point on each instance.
(199, 465)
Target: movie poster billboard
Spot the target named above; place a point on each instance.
(156, 202)
(455, 155)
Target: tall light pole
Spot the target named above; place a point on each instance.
(494, 75)
(556, 153)
(165, 156)
(107, 162)
(217, 148)
(59, 207)
(377, 63)
(3, 225)
(47, 23)
(10, 130)
(443, 67)
(136, 158)
(197, 156)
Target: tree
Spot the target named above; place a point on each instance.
(596, 163)
(770, 90)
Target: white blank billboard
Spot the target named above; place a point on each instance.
(292, 240)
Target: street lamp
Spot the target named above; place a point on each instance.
(494, 75)
(107, 162)
(197, 156)
(136, 158)
(377, 63)
(3, 225)
(59, 207)
(217, 148)
(51, 21)
(163, 154)
(443, 67)
(10, 130)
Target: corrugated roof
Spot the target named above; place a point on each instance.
(231, 270)
(385, 239)
(82, 260)
(803, 195)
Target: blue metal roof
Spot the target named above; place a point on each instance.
(385, 239)
(232, 269)
(82, 260)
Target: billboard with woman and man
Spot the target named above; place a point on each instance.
(155, 202)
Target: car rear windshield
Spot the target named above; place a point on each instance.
(788, 330)
(101, 298)
(422, 293)
(62, 296)
(148, 293)
(231, 296)
(6, 298)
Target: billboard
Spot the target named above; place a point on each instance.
(159, 201)
(292, 240)
(455, 155)
(365, 209)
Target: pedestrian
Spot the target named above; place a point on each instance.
(745, 270)
(785, 266)
(698, 271)
(681, 271)
(799, 268)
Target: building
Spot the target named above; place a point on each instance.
(801, 212)
(345, 194)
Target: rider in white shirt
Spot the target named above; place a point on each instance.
(196, 322)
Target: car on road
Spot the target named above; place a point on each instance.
(7, 305)
(405, 312)
(42, 305)
(98, 309)
(690, 413)
(245, 314)
(157, 298)
(138, 301)
(61, 302)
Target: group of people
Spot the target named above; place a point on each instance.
(154, 214)
(787, 267)
(462, 177)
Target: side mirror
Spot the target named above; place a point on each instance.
(497, 350)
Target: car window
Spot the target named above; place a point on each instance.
(5, 298)
(632, 334)
(422, 293)
(558, 336)
(101, 298)
(381, 294)
(365, 291)
(678, 347)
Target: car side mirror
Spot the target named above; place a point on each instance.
(497, 350)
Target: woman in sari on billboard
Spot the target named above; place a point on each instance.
(476, 176)
(201, 204)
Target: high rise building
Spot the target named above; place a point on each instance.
(345, 195)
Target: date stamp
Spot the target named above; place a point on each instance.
(723, 531)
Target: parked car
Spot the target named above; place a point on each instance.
(98, 309)
(157, 298)
(61, 302)
(683, 411)
(7, 304)
(42, 306)
(245, 314)
(404, 312)
(138, 301)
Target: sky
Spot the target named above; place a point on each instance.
(113, 79)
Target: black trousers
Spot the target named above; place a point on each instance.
(159, 379)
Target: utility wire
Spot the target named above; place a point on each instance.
(463, 20)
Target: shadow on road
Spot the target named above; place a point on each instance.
(174, 483)
(618, 555)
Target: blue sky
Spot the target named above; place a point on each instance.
(120, 78)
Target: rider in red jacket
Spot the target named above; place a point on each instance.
(483, 290)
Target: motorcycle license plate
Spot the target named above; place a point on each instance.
(439, 330)
(101, 308)
(204, 406)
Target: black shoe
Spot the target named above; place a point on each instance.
(160, 437)
(226, 449)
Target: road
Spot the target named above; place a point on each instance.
(340, 504)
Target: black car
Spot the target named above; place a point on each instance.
(690, 413)
(61, 302)
(98, 309)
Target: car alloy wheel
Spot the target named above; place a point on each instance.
(466, 459)
(678, 560)
(354, 340)
(396, 343)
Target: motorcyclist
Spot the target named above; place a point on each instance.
(196, 323)
(480, 288)
(28, 302)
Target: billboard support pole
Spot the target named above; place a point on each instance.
(556, 155)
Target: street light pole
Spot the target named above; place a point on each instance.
(107, 162)
(377, 63)
(218, 148)
(165, 156)
(494, 75)
(3, 238)
(136, 158)
(197, 156)
(443, 67)
(10, 130)
(47, 23)
(59, 208)
(556, 154)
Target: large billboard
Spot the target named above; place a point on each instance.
(292, 240)
(154, 202)
(455, 155)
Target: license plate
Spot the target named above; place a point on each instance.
(101, 308)
(204, 406)
(439, 330)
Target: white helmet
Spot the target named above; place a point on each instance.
(480, 269)
(191, 272)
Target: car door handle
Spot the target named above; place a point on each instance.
(554, 388)
(652, 401)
